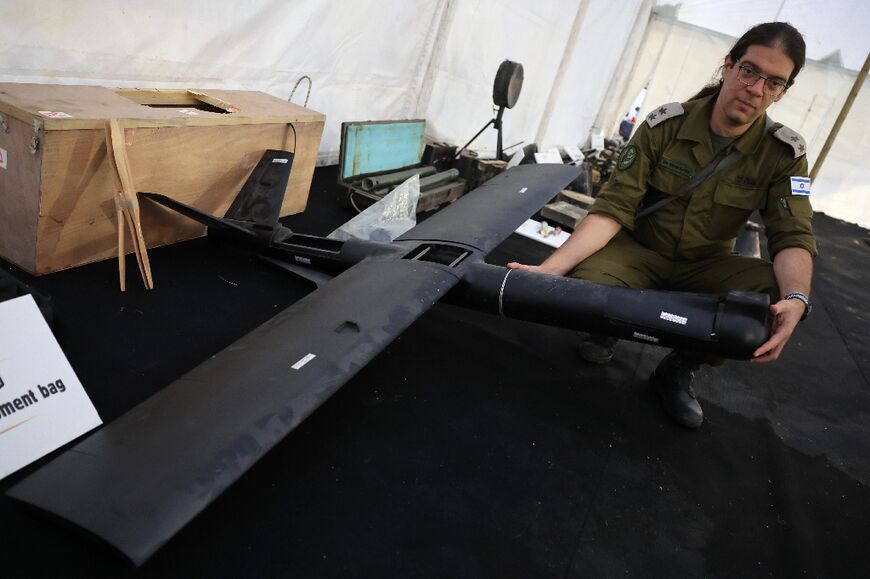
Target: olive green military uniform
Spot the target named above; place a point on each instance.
(687, 245)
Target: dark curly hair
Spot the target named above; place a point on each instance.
(772, 34)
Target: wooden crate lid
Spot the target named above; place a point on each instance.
(70, 107)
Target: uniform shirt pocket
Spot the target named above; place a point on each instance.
(732, 206)
(667, 183)
(662, 185)
(796, 206)
(788, 223)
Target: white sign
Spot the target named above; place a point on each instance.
(4, 159)
(42, 402)
(549, 235)
(516, 159)
(550, 156)
(573, 152)
(597, 141)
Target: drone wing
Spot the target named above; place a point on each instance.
(139, 480)
(488, 215)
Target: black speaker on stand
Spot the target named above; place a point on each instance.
(505, 92)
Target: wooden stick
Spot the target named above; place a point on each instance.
(127, 197)
(132, 227)
(119, 210)
(832, 136)
(129, 200)
(122, 257)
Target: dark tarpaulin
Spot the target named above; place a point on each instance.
(480, 447)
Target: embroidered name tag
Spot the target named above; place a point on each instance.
(800, 185)
(676, 167)
(745, 181)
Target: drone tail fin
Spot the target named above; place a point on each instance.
(260, 198)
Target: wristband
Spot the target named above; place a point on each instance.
(802, 297)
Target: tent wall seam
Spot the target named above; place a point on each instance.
(430, 59)
(567, 53)
(609, 111)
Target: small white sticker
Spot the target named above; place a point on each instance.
(189, 112)
(300, 259)
(307, 358)
(640, 336)
(674, 318)
(279, 160)
(55, 115)
(4, 159)
(524, 189)
(800, 185)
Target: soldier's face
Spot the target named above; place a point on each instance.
(740, 103)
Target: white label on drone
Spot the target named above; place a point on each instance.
(279, 160)
(300, 259)
(524, 189)
(640, 336)
(307, 358)
(674, 318)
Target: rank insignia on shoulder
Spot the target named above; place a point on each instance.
(663, 113)
(790, 138)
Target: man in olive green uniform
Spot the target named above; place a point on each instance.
(686, 243)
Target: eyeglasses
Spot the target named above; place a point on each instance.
(772, 86)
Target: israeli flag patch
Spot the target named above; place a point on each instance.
(800, 185)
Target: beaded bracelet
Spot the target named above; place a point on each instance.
(802, 297)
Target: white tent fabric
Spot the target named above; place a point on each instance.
(362, 66)
(559, 100)
(829, 28)
(368, 59)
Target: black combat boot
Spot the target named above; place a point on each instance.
(597, 349)
(672, 381)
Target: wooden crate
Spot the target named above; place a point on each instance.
(199, 146)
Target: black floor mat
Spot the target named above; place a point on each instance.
(480, 447)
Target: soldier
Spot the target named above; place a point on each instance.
(657, 224)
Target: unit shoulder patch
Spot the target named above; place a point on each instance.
(664, 113)
(790, 138)
(626, 158)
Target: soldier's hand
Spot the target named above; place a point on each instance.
(786, 315)
(532, 268)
